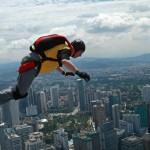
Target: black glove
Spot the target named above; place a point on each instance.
(68, 73)
(83, 75)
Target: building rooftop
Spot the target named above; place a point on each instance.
(132, 139)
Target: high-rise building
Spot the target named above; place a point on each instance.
(114, 98)
(81, 93)
(82, 142)
(146, 93)
(108, 110)
(12, 115)
(120, 136)
(90, 95)
(146, 98)
(98, 114)
(31, 97)
(115, 115)
(61, 139)
(127, 126)
(12, 140)
(146, 140)
(135, 119)
(70, 98)
(31, 110)
(43, 102)
(141, 109)
(132, 143)
(108, 137)
(95, 140)
(1, 115)
(35, 142)
(23, 131)
(54, 93)
(2, 136)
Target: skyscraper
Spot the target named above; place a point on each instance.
(61, 139)
(43, 102)
(98, 115)
(12, 115)
(81, 92)
(35, 141)
(141, 109)
(146, 93)
(12, 140)
(82, 142)
(108, 137)
(31, 110)
(127, 126)
(132, 143)
(146, 98)
(54, 94)
(135, 120)
(1, 115)
(70, 98)
(2, 136)
(95, 140)
(23, 131)
(115, 115)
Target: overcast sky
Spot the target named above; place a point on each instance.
(118, 28)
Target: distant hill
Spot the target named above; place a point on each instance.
(87, 63)
(113, 62)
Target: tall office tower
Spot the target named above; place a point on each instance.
(98, 115)
(146, 140)
(35, 142)
(135, 119)
(115, 115)
(2, 136)
(54, 93)
(114, 98)
(1, 115)
(132, 143)
(146, 93)
(31, 110)
(127, 126)
(120, 135)
(12, 140)
(12, 115)
(90, 95)
(107, 109)
(141, 109)
(31, 97)
(108, 137)
(43, 102)
(82, 142)
(23, 131)
(95, 140)
(70, 98)
(81, 94)
(61, 139)
(146, 98)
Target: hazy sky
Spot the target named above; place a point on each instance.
(118, 28)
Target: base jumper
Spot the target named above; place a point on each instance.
(48, 53)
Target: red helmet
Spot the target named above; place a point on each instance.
(78, 45)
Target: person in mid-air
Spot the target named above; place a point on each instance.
(48, 53)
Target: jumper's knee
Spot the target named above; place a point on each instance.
(17, 95)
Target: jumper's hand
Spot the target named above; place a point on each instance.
(83, 75)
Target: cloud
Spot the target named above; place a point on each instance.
(116, 22)
(111, 28)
